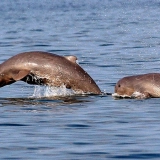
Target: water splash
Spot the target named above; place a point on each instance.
(116, 95)
(50, 91)
(136, 94)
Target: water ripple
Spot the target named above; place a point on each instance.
(12, 124)
(138, 156)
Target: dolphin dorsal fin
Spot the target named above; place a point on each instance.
(71, 58)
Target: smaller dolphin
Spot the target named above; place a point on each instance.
(43, 68)
(139, 86)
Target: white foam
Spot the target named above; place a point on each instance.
(116, 95)
(136, 94)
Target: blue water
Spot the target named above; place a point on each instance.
(111, 39)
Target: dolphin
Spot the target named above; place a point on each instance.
(139, 86)
(43, 68)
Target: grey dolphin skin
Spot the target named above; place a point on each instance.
(139, 86)
(43, 68)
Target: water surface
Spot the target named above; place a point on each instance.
(111, 39)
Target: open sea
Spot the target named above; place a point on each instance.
(111, 39)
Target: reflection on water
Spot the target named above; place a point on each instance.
(50, 101)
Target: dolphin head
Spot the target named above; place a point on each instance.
(124, 87)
